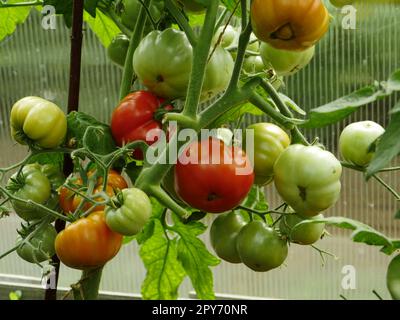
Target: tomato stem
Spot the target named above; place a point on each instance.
(137, 34)
(181, 21)
(200, 58)
(88, 286)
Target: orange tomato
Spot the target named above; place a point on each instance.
(69, 200)
(87, 243)
(289, 25)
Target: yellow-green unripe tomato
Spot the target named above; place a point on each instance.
(38, 121)
(269, 142)
(253, 64)
(356, 139)
(308, 179)
(131, 211)
(304, 234)
(393, 278)
(228, 38)
(284, 62)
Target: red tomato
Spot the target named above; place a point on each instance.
(134, 117)
(211, 185)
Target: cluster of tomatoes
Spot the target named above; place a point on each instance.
(306, 177)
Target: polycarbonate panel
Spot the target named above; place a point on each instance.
(36, 62)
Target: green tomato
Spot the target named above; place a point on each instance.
(36, 120)
(118, 49)
(229, 36)
(341, 3)
(254, 44)
(130, 12)
(355, 140)
(260, 247)
(133, 210)
(308, 179)
(163, 63)
(218, 73)
(192, 6)
(304, 234)
(284, 62)
(393, 278)
(40, 247)
(269, 142)
(223, 233)
(32, 184)
(253, 64)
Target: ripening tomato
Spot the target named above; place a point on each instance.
(289, 25)
(87, 243)
(69, 201)
(133, 118)
(213, 177)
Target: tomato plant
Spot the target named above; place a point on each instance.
(87, 243)
(269, 142)
(118, 49)
(134, 117)
(290, 25)
(37, 121)
(208, 184)
(39, 247)
(204, 74)
(129, 212)
(223, 233)
(393, 278)
(303, 234)
(356, 139)
(260, 247)
(308, 178)
(285, 62)
(70, 200)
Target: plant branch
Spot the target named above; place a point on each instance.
(136, 37)
(181, 21)
(297, 136)
(200, 59)
(113, 16)
(389, 188)
(21, 4)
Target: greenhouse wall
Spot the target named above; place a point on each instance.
(35, 61)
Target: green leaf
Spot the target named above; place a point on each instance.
(341, 108)
(397, 215)
(63, 8)
(56, 159)
(164, 271)
(98, 138)
(231, 5)
(393, 83)
(387, 148)
(195, 257)
(361, 232)
(11, 17)
(235, 113)
(104, 28)
(147, 232)
(90, 6)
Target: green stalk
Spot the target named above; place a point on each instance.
(137, 34)
(297, 136)
(200, 59)
(88, 286)
(21, 4)
(181, 21)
